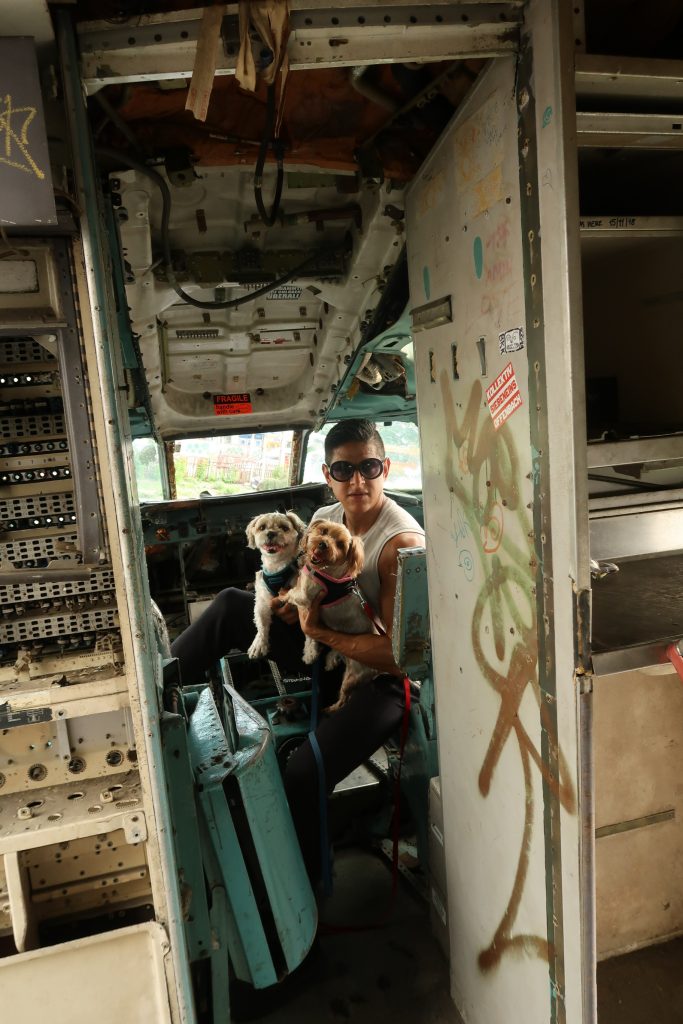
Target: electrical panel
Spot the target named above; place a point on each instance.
(73, 823)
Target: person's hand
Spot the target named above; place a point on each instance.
(283, 609)
(309, 618)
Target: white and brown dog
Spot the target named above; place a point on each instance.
(277, 535)
(332, 559)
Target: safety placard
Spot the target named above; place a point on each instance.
(232, 405)
(503, 396)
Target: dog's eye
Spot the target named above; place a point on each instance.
(284, 528)
(324, 533)
(341, 545)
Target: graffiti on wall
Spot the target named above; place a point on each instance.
(484, 476)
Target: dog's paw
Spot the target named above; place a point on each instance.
(332, 660)
(311, 651)
(259, 648)
(335, 707)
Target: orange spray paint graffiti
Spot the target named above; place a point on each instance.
(484, 475)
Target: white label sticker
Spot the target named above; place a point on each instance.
(511, 341)
(284, 291)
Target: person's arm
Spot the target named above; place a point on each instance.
(285, 611)
(368, 648)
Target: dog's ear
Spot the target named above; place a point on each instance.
(298, 524)
(356, 557)
(251, 532)
(303, 539)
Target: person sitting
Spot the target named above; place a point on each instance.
(356, 468)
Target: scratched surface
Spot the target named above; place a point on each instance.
(480, 472)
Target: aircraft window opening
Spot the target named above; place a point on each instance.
(219, 465)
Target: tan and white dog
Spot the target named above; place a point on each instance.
(277, 535)
(332, 559)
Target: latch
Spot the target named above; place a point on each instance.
(673, 653)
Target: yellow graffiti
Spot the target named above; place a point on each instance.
(14, 146)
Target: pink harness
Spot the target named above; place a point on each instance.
(335, 590)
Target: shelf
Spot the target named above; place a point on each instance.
(642, 449)
(629, 131)
(24, 705)
(637, 612)
(637, 535)
(628, 79)
(59, 814)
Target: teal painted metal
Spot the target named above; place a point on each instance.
(125, 335)
(410, 634)
(213, 762)
(412, 652)
(397, 340)
(180, 786)
(220, 974)
(287, 883)
(252, 764)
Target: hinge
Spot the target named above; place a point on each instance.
(582, 632)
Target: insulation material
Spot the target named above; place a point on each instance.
(204, 69)
(324, 120)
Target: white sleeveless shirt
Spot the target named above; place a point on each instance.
(391, 521)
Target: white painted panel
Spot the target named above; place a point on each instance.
(464, 241)
(509, 788)
(118, 976)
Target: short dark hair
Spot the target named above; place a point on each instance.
(348, 431)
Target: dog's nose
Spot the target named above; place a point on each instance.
(271, 534)
(322, 545)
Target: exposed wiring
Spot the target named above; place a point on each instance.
(60, 193)
(9, 249)
(424, 96)
(112, 115)
(269, 217)
(154, 176)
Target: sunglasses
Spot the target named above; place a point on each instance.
(369, 469)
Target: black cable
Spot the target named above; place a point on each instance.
(269, 218)
(149, 172)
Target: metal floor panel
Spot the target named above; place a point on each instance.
(397, 973)
(643, 987)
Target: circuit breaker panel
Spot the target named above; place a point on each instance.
(74, 823)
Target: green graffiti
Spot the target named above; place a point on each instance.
(478, 253)
(426, 282)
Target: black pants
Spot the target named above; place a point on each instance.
(346, 738)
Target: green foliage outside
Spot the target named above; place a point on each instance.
(147, 470)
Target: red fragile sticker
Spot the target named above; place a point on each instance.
(503, 396)
(232, 405)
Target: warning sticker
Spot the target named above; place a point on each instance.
(30, 716)
(503, 396)
(232, 405)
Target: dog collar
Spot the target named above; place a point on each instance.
(275, 581)
(334, 589)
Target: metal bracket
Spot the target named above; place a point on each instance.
(135, 827)
(159, 47)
